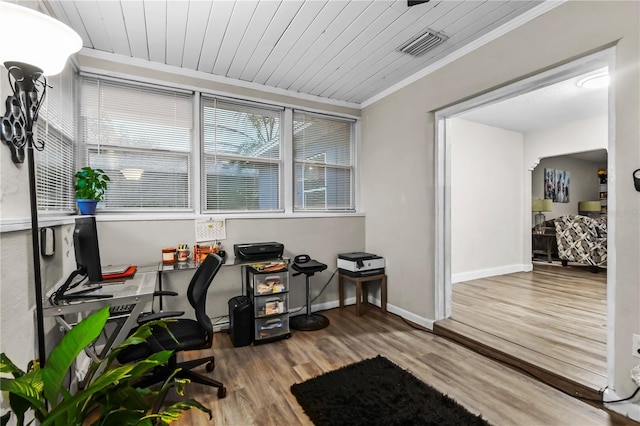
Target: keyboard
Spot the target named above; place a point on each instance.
(121, 309)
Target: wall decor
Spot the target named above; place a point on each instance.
(556, 185)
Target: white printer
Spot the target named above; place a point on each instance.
(360, 264)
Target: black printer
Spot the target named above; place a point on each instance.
(258, 251)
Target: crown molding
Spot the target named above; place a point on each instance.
(154, 66)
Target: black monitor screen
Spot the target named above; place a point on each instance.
(85, 241)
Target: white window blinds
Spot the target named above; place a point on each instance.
(323, 163)
(142, 138)
(242, 157)
(56, 128)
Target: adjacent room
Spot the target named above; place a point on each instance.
(288, 212)
(544, 318)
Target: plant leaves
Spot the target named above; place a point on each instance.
(63, 355)
(122, 417)
(29, 387)
(175, 411)
(7, 366)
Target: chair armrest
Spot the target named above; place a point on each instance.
(164, 293)
(158, 315)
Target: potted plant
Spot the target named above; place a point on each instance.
(110, 396)
(90, 186)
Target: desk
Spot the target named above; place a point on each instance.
(190, 264)
(137, 291)
(362, 296)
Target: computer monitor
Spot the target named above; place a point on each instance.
(87, 252)
(85, 242)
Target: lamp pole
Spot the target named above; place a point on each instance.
(27, 103)
(35, 238)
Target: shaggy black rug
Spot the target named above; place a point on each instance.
(378, 392)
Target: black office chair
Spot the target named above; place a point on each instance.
(190, 334)
(303, 264)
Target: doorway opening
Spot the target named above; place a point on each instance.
(484, 191)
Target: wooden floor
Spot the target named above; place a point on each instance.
(551, 322)
(258, 378)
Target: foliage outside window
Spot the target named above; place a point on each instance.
(324, 170)
(242, 161)
(141, 137)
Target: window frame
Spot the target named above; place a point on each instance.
(84, 148)
(279, 161)
(286, 161)
(351, 167)
(62, 128)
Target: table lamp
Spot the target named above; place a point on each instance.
(589, 208)
(540, 206)
(33, 46)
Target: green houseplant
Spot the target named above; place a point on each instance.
(110, 396)
(90, 186)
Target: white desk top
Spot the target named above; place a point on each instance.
(139, 288)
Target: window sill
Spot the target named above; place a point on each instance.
(21, 224)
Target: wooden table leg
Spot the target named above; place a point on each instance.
(340, 291)
(383, 293)
(358, 297)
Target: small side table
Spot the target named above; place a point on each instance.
(361, 290)
(547, 239)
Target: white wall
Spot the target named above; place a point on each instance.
(486, 200)
(580, 136)
(141, 243)
(398, 136)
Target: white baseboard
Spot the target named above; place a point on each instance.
(409, 316)
(627, 408)
(490, 272)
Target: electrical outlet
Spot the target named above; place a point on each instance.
(636, 345)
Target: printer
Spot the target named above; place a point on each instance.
(258, 251)
(360, 264)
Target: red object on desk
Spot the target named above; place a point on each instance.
(128, 273)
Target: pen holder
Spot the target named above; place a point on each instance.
(183, 255)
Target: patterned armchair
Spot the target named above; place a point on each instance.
(582, 239)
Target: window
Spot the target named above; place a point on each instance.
(141, 137)
(56, 128)
(242, 160)
(323, 156)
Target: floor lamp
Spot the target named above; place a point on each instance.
(34, 45)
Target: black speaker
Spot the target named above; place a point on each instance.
(240, 321)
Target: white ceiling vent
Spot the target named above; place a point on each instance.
(421, 43)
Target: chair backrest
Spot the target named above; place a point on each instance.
(197, 291)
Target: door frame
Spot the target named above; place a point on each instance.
(443, 285)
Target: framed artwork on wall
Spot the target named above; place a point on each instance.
(556, 185)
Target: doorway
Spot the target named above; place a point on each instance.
(517, 257)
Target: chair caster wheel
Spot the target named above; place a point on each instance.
(210, 366)
(222, 392)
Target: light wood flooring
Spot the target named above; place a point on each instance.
(258, 378)
(551, 322)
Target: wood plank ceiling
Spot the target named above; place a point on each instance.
(339, 50)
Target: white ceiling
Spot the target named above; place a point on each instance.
(338, 50)
(341, 51)
(545, 108)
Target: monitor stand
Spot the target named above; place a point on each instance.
(77, 295)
